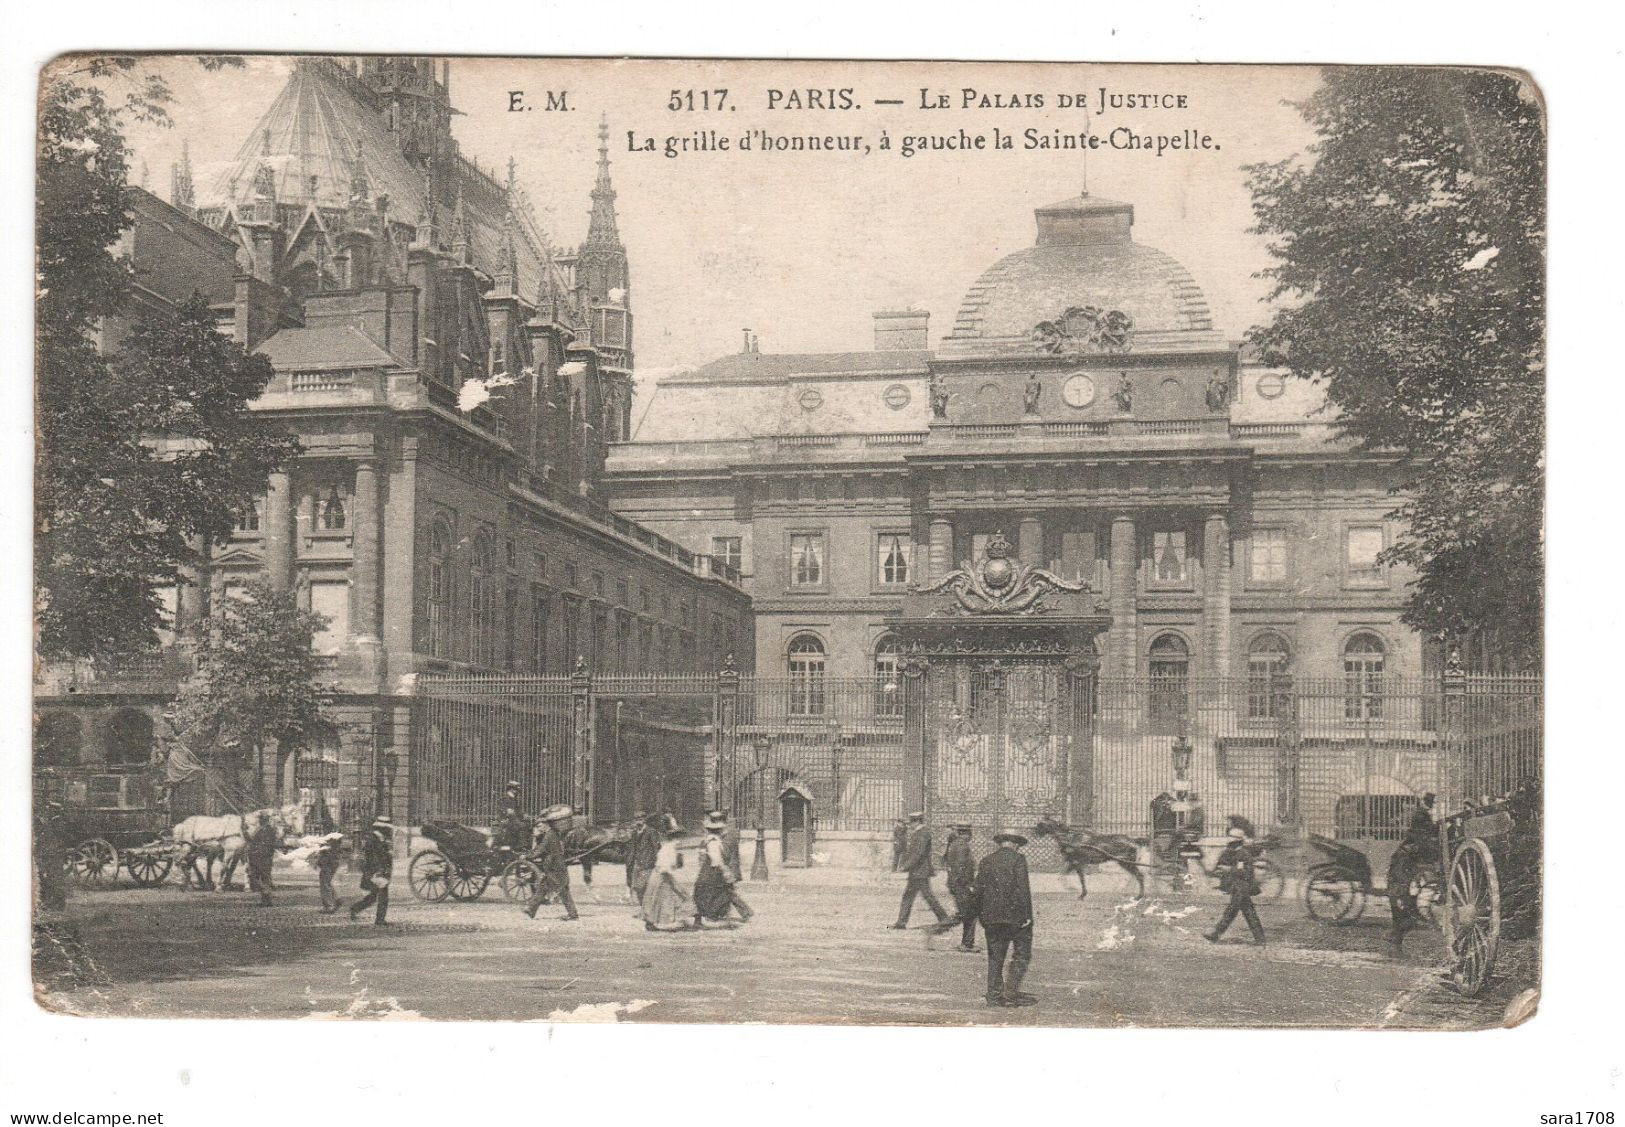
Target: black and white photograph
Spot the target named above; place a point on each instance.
(685, 541)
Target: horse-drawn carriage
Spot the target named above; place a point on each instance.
(112, 820)
(1337, 887)
(462, 863)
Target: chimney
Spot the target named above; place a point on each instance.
(899, 330)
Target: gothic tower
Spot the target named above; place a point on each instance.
(604, 282)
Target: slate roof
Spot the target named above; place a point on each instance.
(325, 348)
(768, 366)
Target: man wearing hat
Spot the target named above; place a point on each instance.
(961, 866)
(326, 863)
(916, 862)
(1419, 847)
(1005, 899)
(513, 830)
(377, 866)
(1235, 869)
(550, 859)
(641, 848)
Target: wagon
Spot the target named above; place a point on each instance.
(1337, 888)
(461, 865)
(1492, 889)
(112, 821)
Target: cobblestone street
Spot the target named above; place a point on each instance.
(818, 949)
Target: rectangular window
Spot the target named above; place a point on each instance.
(1266, 557)
(331, 600)
(1169, 563)
(807, 559)
(730, 550)
(1362, 544)
(894, 556)
(538, 629)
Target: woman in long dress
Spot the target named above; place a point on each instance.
(666, 905)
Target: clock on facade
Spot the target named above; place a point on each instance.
(1078, 391)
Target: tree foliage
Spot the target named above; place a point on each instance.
(1410, 260)
(257, 679)
(149, 450)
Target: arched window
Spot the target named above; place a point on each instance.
(482, 601)
(888, 677)
(1364, 656)
(1269, 659)
(1170, 676)
(332, 511)
(806, 665)
(440, 589)
(128, 741)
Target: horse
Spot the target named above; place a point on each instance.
(1080, 848)
(598, 845)
(222, 838)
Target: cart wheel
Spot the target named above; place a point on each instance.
(1271, 881)
(146, 869)
(466, 886)
(1472, 916)
(430, 875)
(1334, 895)
(93, 863)
(519, 881)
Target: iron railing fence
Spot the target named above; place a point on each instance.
(1345, 756)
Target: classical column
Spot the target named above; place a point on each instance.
(364, 543)
(1216, 595)
(1124, 637)
(192, 600)
(1031, 545)
(942, 547)
(279, 531)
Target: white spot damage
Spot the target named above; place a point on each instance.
(1482, 259)
(600, 1011)
(617, 295)
(363, 1007)
(573, 368)
(476, 392)
(1114, 938)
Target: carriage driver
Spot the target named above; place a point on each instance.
(514, 830)
(1419, 847)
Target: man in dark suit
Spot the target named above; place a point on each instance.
(916, 862)
(961, 866)
(550, 859)
(1236, 876)
(377, 865)
(1005, 899)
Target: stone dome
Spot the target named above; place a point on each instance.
(1085, 255)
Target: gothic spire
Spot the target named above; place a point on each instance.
(601, 232)
(180, 179)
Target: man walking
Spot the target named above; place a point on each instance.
(551, 860)
(916, 862)
(259, 853)
(635, 852)
(377, 866)
(1006, 908)
(961, 866)
(1235, 869)
(326, 863)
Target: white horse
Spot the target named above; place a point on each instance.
(223, 837)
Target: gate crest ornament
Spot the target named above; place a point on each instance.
(1000, 585)
(1085, 328)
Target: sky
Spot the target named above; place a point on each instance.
(803, 248)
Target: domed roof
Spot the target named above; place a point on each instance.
(1084, 256)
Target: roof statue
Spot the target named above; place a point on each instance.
(1000, 585)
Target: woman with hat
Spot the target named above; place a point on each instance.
(714, 888)
(665, 903)
(377, 865)
(1235, 869)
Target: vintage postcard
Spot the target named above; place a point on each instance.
(900, 543)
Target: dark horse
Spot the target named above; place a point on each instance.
(598, 845)
(1080, 848)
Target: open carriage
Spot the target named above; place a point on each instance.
(461, 865)
(1337, 887)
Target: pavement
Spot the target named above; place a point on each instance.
(818, 950)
